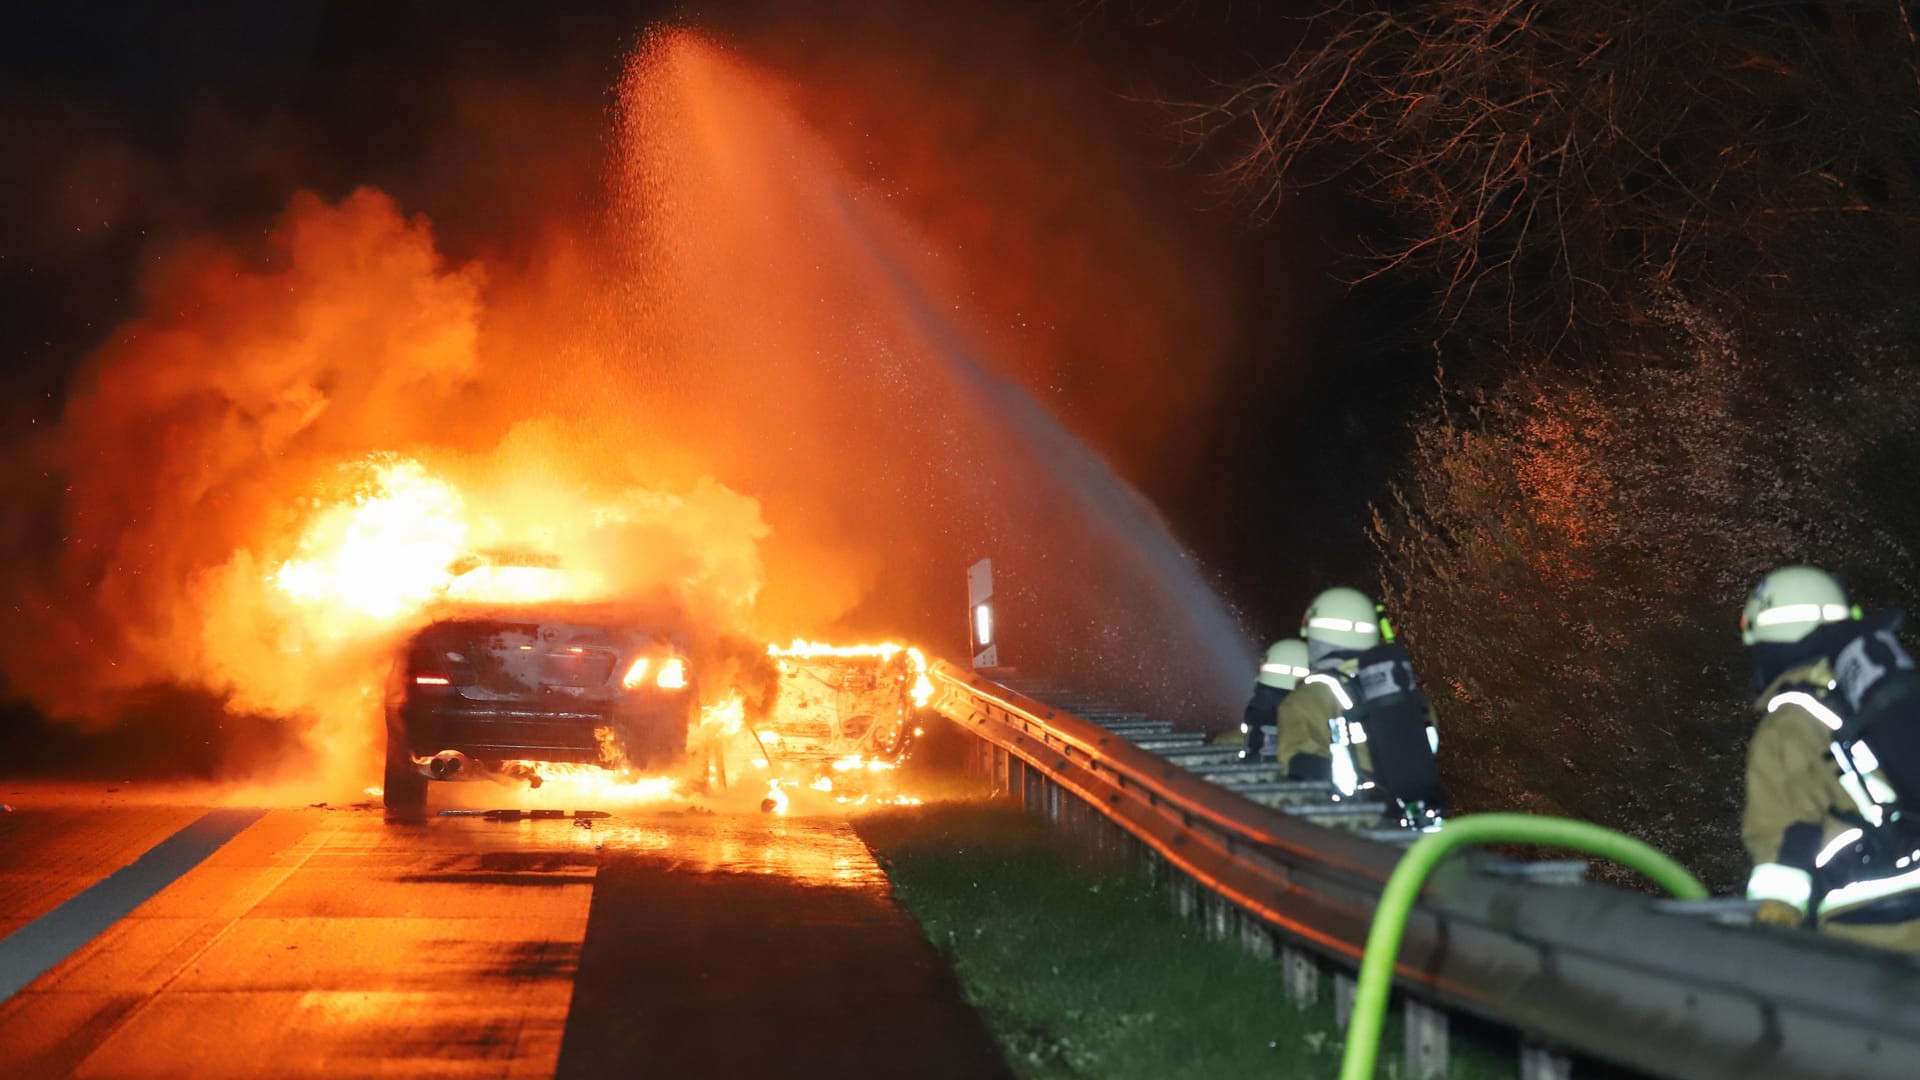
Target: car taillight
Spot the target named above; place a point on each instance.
(431, 680)
(673, 674)
(637, 674)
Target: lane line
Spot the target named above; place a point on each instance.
(37, 947)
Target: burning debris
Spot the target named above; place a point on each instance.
(584, 818)
(600, 786)
(776, 801)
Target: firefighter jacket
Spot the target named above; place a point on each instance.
(1814, 833)
(1306, 724)
(1324, 736)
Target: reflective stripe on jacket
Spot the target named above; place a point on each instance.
(1306, 719)
(1802, 824)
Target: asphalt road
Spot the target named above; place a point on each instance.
(141, 935)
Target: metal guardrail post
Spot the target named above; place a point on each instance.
(1426, 1051)
(1300, 975)
(1216, 915)
(1185, 894)
(1540, 1063)
(1344, 991)
(1256, 939)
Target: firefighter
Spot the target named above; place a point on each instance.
(1285, 665)
(1359, 720)
(1339, 625)
(1822, 821)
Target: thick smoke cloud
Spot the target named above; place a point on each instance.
(201, 428)
(703, 386)
(230, 432)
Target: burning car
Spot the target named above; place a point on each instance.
(501, 688)
(842, 718)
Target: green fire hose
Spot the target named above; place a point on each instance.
(1403, 888)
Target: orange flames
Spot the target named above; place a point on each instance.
(595, 786)
(382, 553)
(839, 725)
(922, 686)
(394, 546)
(777, 801)
(268, 479)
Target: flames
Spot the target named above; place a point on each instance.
(266, 480)
(728, 717)
(597, 786)
(800, 649)
(839, 724)
(776, 801)
(393, 546)
(374, 563)
(380, 553)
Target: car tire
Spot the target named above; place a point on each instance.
(404, 788)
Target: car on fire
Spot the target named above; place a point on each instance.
(841, 719)
(501, 688)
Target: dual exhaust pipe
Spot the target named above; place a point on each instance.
(454, 765)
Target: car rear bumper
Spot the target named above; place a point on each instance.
(507, 732)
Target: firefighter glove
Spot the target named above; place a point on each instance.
(1777, 913)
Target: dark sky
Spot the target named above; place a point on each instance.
(133, 127)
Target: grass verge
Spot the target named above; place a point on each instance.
(1081, 970)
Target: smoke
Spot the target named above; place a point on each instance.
(208, 423)
(698, 389)
(228, 433)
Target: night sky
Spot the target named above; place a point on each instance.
(135, 128)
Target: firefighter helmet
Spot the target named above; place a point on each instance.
(1790, 603)
(1344, 618)
(1285, 665)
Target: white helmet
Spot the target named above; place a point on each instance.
(1791, 603)
(1285, 665)
(1344, 618)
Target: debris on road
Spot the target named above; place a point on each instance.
(528, 815)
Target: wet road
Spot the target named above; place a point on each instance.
(334, 943)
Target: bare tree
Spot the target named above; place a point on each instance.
(1548, 160)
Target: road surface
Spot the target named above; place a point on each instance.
(146, 936)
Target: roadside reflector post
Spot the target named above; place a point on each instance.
(981, 630)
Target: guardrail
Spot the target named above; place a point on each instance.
(1599, 971)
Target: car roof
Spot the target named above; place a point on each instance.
(606, 616)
